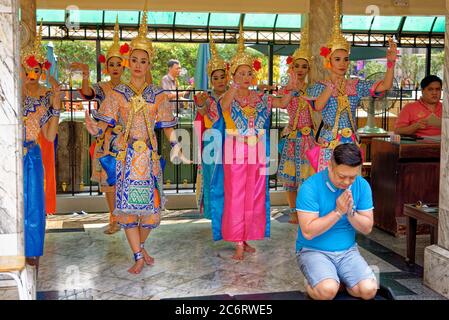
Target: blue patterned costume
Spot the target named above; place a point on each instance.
(36, 113)
(341, 106)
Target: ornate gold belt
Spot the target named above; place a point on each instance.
(346, 132)
(305, 131)
(139, 146)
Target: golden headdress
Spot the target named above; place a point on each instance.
(337, 40)
(216, 62)
(141, 42)
(115, 50)
(242, 57)
(34, 55)
(304, 51)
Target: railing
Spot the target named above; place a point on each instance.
(74, 176)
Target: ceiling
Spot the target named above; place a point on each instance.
(351, 7)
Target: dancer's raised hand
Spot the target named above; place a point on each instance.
(91, 124)
(392, 52)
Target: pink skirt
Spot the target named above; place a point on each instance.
(245, 169)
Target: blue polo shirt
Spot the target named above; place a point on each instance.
(317, 194)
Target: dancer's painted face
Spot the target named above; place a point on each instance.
(218, 80)
(34, 74)
(301, 68)
(114, 67)
(340, 62)
(139, 63)
(244, 76)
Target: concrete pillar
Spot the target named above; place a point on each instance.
(11, 177)
(320, 17)
(28, 18)
(436, 257)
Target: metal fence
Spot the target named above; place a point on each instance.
(177, 178)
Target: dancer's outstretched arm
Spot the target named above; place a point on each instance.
(86, 90)
(50, 129)
(392, 54)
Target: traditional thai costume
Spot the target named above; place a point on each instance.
(246, 214)
(339, 115)
(211, 191)
(36, 112)
(103, 163)
(137, 113)
(298, 136)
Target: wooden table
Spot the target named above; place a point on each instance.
(365, 145)
(405, 172)
(413, 214)
(366, 140)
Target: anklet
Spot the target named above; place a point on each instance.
(138, 256)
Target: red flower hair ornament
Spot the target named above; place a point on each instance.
(32, 62)
(325, 51)
(257, 65)
(124, 48)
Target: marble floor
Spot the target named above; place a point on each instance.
(80, 262)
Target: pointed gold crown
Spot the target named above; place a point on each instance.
(114, 49)
(337, 40)
(304, 51)
(216, 62)
(242, 57)
(34, 52)
(141, 42)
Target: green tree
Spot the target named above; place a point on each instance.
(372, 67)
(71, 51)
(437, 63)
(185, 53)
(412, 67)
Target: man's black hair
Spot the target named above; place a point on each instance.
(172, 62)
(348, 154)
(429, 79)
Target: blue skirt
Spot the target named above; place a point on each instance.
(34, 201)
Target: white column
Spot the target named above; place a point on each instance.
(11, 183)
(436, 257)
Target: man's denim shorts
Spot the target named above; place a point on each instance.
(346, 266)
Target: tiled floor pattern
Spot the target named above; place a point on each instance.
(81, 262)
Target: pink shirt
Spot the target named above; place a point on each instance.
(415, 111)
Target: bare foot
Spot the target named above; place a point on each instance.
(248, 248)
(32, 261)
(112, 228)
(149, 260)
(238, 255)
(137, 267)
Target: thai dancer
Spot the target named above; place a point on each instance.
(103, 164)
(338, 98)
(41, 110)
(298, 136)
(137, 109)
(210, 118)
(246, 214)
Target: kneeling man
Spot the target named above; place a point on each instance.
(331, 206)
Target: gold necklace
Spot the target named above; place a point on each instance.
(137, 101)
